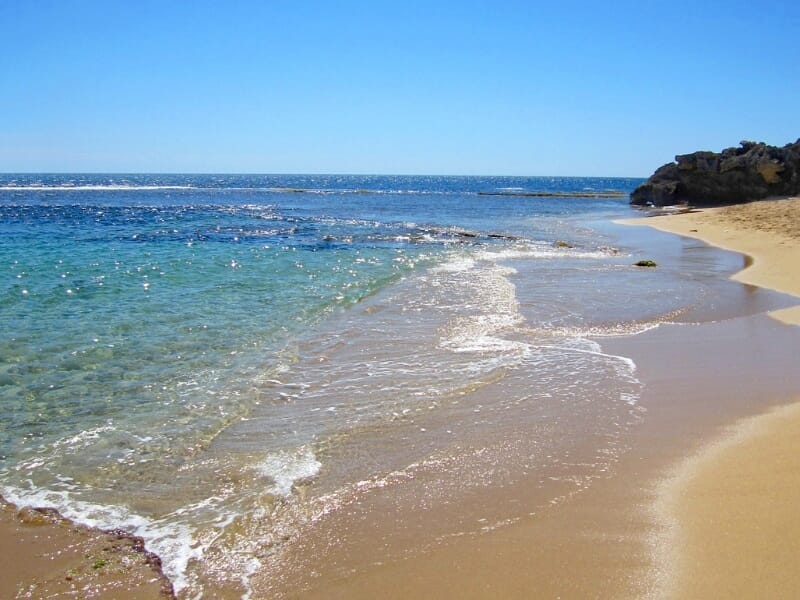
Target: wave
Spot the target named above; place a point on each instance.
(196, 188)
(287, 468)
(93, 188)
(545, 250)
(319, 191)
(365, 191)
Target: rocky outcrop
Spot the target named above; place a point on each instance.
(751, 172)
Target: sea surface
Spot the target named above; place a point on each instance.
(221, 364)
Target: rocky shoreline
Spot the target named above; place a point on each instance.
(753, 171)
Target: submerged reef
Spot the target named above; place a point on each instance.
(752, 171)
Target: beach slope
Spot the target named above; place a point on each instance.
(732, 508)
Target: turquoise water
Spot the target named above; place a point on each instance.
(111, 295)
(214, 362)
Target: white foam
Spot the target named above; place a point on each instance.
(67, 445)
(485, 304)
(456, 265)
(480, 333)
(624, 366)
(88, 188)
(601, 331)
(175, 542)
(287, 468)
(543, 251)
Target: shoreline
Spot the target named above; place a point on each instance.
(609, 540)
(730, 507)
(47, 555)
(614, 539)
(606, 541)
(767, 231)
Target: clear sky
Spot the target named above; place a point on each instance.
(451, 87)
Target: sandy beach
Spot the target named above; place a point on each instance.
(643, 532)
(732, 507)
(327, 301)
(701, 506)
(716, 442)
(767, 231)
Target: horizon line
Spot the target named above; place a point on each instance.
(314, 173)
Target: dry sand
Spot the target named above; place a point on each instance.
(734, 510)
(733, 507)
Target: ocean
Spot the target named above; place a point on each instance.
(226, 365)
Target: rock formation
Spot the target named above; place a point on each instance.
(750, 172)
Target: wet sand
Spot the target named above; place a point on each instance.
(608, 541)
(641, 532)
(632, 534)
(644, 531)
(45, 556)
(731, 508)
(767, 231)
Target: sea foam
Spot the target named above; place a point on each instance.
(287, 468)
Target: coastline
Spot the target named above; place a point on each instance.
(603, 542)
(730, 508)
(45, 555)
(623, 537)
(768, 231)
(608, 541)
(611, 540)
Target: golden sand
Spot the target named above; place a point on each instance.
(735, 513)
(734, 507)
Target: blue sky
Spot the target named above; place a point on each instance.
(519, 88)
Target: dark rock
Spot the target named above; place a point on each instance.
(646, 263)
(751, 172)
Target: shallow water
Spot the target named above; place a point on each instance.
(223, 364)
